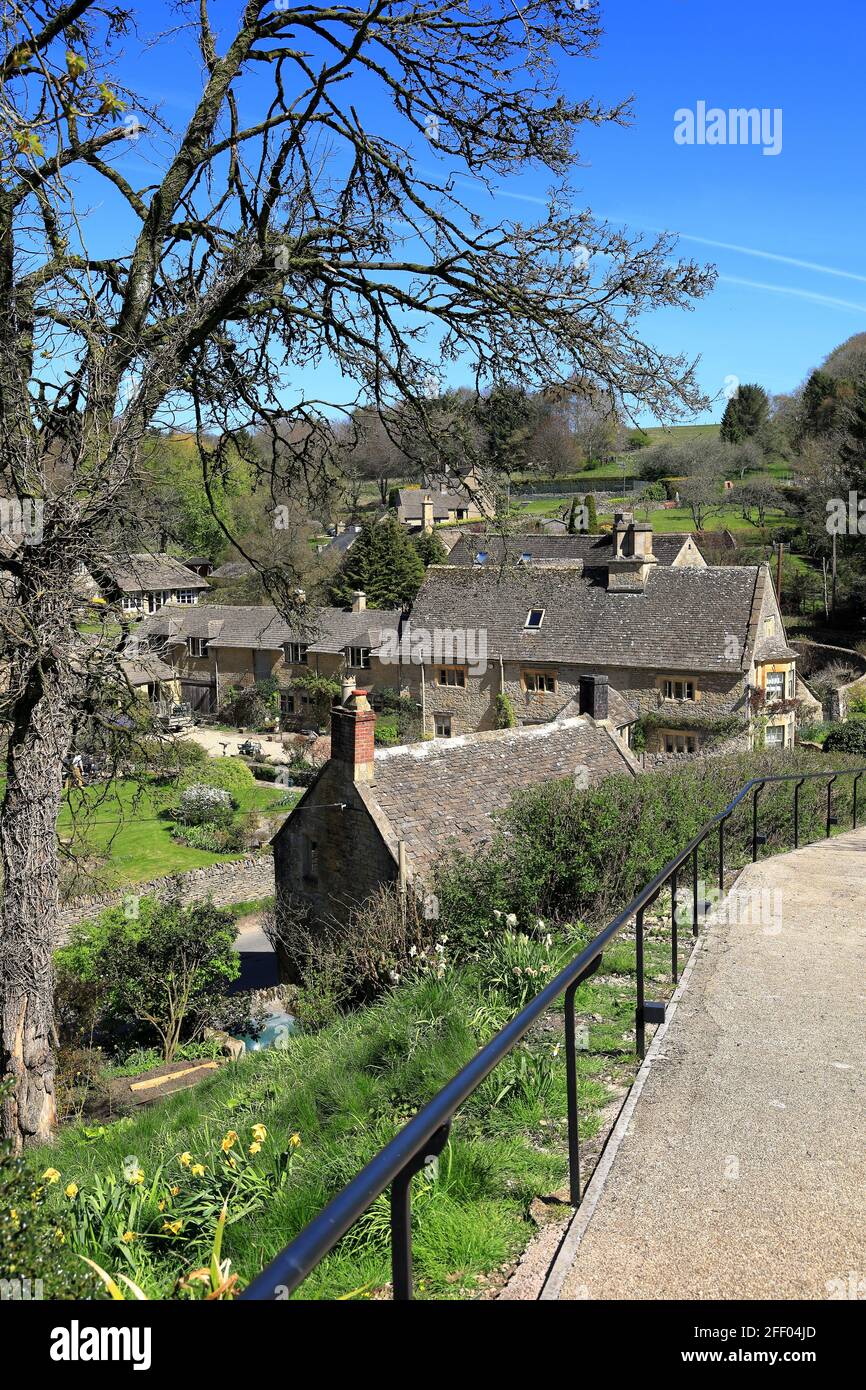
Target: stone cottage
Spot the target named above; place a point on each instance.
(697, 651)
(214, 647)
(376, 816)
(538, 548)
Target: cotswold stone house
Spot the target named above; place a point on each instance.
(697, 651)
(146, 583)
(214, 647)
(670, 548)
(379, 816)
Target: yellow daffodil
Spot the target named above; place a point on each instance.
(173, 1226)
(136, 1176)
(186, 1159)
(128, 1237)
(50, 1175)
(229, 1142)
(71, 1190)
(231, 1163)
(294, 1141)
(197, 1170)
(254, 1148)
(14, 1216)
(59, 1236)
(259, 1133)
(161, 1205)
(174, 1190)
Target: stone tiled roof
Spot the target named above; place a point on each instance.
(443, 794)
(146, 669)
(143, 572)
(545, 549)
(411, 499)
(684, 619)
(328, 630)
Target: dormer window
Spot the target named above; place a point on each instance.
(295, 653)
(358, 658)
(196, 646)
(534, 619)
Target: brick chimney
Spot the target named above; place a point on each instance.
(592, 696)
(359, 601)
(427, 513)
(353, 726)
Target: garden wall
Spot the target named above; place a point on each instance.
(227, 882)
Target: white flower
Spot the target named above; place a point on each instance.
(539, 924)
(496, 913)
(413, 951)
(511, 919)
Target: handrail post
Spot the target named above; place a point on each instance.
(856, 780)
(830, 803)
(695, 900)
(722, 823)
(674, 957)
(401, 1215)
(640, 1026)
(571, 1093)
(758, 791)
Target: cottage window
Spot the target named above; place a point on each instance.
(534, 618)
(543, 682)
(769, 627)
(295, 653)
(287, 702)
(196, 646)
(792, 683)
(359, 658)
(451, 675)
(186, 596)
(775, 736)
(775, 686)
(679, 743)
(442, 725)
(311, 859)
(678, 690)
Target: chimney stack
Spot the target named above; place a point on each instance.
(359, 601)
(353, 727)
(427, 513)
(592, 696)
(632, 560)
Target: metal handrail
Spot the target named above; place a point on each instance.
(424, 1137)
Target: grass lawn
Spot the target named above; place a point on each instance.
(345, 1091)
(121, 822)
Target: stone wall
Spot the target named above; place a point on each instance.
(233, 881)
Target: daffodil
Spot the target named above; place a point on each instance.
(294, 1141)
(174, 1190)
(136, 1176)
(254, 1148)
(161, 1205)
(173, 1226)
(186, 1159)
(71, 1190)
(259, 1133)
(128, 1237)
(229, 1142)
(59, 1236)
(197, 1170)
(50, 1175)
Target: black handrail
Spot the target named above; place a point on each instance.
(424, 1137)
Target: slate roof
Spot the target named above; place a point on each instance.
(683, 619)
(441, 795)
(329, 630)
(346, 539)
(143, 572)
(146, 669)
(411, 499)
(546, 549)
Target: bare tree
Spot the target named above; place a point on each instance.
(285, 224)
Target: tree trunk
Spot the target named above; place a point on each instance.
(38, 742)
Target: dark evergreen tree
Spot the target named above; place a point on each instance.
(384, 563)
(746, 414)
(430, 548)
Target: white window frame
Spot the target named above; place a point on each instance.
(295, 653)
(358, 658)
(777, 677)
(529, 624)
(670, 685)
(187, 596)
(441, 720)
(774, 742)
(196, 646)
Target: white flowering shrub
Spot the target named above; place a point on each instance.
(201, 805)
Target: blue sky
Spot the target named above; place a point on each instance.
(796, 286)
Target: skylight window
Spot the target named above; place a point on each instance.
(481, 557)
(534, 618)
(526, 558)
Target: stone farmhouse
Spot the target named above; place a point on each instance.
(146, 583)
(700, 649)
(671, 548)
(389, 815)
(214, 647)
(444, 499)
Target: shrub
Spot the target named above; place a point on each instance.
(163, 973)
(847, 738)
(33, 1240)
(214, 839)
(168, 759)
(230, 774)
(204, 805)
(505, 716)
